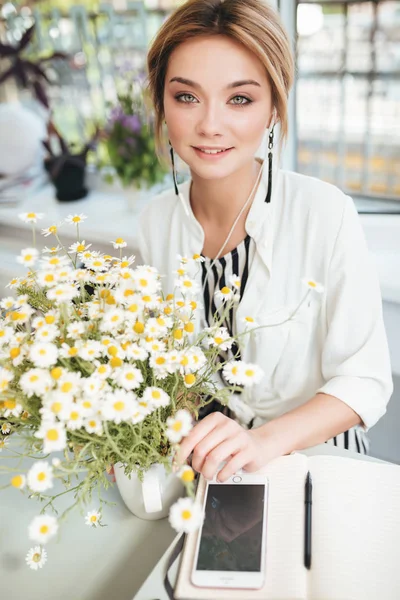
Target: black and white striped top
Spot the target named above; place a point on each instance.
(215, 277)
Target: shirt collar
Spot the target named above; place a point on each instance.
(260, 215)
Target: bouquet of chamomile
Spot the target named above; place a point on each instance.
(98, 367)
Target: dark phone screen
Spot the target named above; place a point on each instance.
(231, 537)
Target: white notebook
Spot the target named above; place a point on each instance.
(355, 533)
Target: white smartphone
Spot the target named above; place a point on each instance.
(231, 545)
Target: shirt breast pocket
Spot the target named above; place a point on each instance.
(288, 345)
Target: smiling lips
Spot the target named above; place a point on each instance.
(211, 151)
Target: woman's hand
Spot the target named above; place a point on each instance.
(217, 439)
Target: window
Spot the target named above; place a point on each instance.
(348, 96)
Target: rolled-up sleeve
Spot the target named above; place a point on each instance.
(355, 356)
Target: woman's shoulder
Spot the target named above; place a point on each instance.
(317, 195)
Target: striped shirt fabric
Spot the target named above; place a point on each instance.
(216, 275)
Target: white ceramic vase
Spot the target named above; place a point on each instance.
(152, 499)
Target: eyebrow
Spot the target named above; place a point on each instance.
(228, 87)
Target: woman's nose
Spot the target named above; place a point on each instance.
(211, 119)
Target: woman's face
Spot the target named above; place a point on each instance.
(209, 107)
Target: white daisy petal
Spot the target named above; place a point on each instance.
(186, 515)
(36, 558)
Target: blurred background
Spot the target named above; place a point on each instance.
(71, 74)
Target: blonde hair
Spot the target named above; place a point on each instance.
(253, 23)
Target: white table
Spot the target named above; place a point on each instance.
(86, 563)
(153, 587)
(83, 563)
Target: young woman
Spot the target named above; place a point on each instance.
(219, 78)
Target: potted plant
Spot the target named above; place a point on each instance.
(115, 377)
(29, 74)
(129, 141)
(67, 168)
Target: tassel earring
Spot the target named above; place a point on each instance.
(177, 192)
(270, 147)
(171, 151)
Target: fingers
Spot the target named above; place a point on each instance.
(237, 462)
(216, 437)
(199, 431)
(224, 452)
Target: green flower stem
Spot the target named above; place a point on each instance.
(65, 251)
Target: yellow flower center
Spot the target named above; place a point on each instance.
(133, 308)
(33, 378)
(10, 404)
(53, 229)
(74, 416)
(93, 518)
(167, 310)
(66, 386)
(44, 529)
(115, 362)
(184, 361)
(28, 257)
(186, 515)
(187, 475)
(76, 219)
(36, 557)
(14, 352)
(49, 277)
(155, 394)
(190, 378)
(225, 290)
(56, 372)
(17, 481)
(181, 271)
(31, 215)
(41, 476)
(112, 351)
(92, 423)
(169, 297)
(249, 372)
(73, 351)
(56, 407)
(119, 405)
(102, 369)
(119, 241)
(189, 327)
(187, 283)
(138, 327)
(52, 435)
(50, 319)
(178, 334)
(177, 426)
(218, 340)
(312, 284)
(160, 360)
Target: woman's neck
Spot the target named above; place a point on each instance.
(220, 201)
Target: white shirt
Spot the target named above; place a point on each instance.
(336, 343)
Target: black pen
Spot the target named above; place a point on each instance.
(307, 521)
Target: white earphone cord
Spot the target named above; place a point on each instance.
(236, 221)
